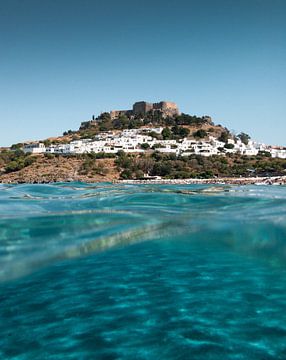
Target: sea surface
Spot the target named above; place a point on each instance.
(142, 272)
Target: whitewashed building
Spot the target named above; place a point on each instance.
(131, 140)
(35, 148)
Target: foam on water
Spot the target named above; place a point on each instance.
(142, 272)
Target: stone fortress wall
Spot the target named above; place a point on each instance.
(166, 108)
(116, 113)
(142, 107)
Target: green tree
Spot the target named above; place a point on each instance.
(144, 146)
(224, 136)
(200, 133)
(126, 174)
(122, 122)
(69, 132)
(105, 116)
(244, 137)
(18, 146)
(264, 154)
(139, 174)
(229, 146)
(166, 133)
(47, 143)
(180, 132)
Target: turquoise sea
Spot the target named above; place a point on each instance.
(103, 271)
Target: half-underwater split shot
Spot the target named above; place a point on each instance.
(142, 180)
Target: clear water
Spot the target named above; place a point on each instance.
(142, 272)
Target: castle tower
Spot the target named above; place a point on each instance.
(142, 107)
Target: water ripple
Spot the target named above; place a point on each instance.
(128, 272)
(41, 224)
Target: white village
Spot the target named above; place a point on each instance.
(138, 141)
(142, 139)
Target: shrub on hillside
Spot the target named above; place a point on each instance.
(200, 133)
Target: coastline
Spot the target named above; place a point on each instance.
(42, 169)
(269, 180)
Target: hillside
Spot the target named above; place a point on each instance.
(191, 123)
(19, 167)
(103, 123)
(45, 169)
(87, 168)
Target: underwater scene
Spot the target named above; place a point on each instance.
(115, 271)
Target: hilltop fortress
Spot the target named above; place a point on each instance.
(165, 108)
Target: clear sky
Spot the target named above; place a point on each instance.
(63, 60)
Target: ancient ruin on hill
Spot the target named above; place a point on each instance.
(165, 108)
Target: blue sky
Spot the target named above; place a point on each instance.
(63, 60)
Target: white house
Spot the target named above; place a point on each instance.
(130, 141)
(35, 148)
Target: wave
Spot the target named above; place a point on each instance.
(44, 224)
